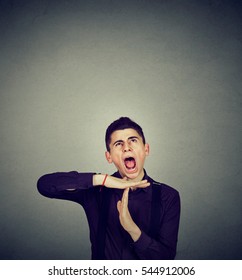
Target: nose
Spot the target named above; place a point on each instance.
(126, 147)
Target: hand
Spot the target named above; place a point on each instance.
(125, 218)
(117, 183)
(113, 182)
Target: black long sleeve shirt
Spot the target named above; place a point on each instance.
(118, 243)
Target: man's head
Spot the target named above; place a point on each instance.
(120, 124)
(126, 147)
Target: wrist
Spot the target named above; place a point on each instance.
(135, 233)
(98, 179)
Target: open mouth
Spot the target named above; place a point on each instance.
(130, 163)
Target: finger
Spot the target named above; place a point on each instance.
(143, 185)
(140, 184)
(119, 205)
(125, 198)
(144, 182)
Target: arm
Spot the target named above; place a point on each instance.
(66, 184)
(164, 247)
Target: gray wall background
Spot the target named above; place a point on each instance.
(69, 68)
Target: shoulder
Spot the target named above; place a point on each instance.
(167, 192)
(169, 197)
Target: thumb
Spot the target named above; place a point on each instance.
(119, 206)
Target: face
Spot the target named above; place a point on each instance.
(128, 153)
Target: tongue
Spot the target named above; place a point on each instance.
(130, 163)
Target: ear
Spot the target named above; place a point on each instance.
(147, 149)
(108, 157)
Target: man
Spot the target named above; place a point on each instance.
(130, 216)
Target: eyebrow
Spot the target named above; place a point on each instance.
(121, 141)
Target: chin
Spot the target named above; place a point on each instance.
(132, 176)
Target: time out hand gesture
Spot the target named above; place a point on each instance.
(125, 218)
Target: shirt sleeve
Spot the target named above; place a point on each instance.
(64, 185)
(163, 247)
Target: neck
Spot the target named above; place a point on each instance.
(138, 178)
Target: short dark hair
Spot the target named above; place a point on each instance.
(120, 124)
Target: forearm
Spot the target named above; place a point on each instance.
(134, 232)
(52, 185)
(148, 248)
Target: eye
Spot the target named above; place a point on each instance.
(118, 144)
(134, 140)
